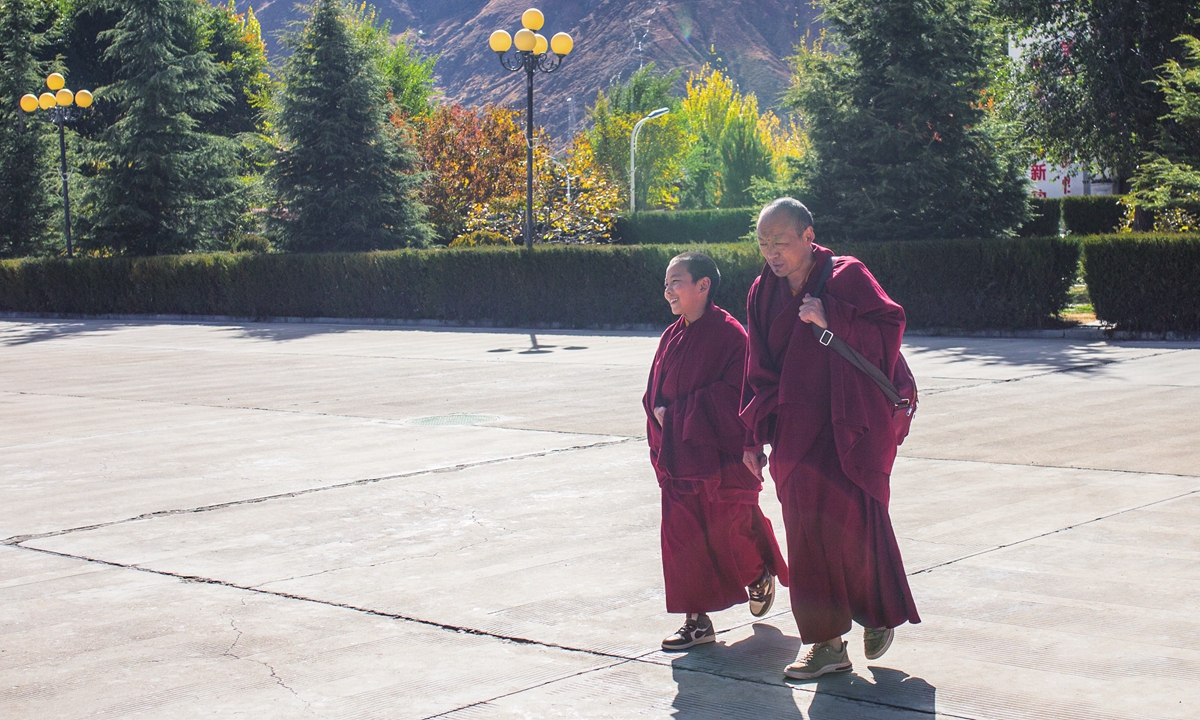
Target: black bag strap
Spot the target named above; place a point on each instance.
(854, 357)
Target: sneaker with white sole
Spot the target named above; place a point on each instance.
(822, 659)
(876, 641)
(696, 631)
(762, 595)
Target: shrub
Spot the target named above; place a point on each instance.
(685, 226)
(1045, 214)
(1144, 282)
(1007, 284)
(251, 242)
(1092, 214)
(480, 238)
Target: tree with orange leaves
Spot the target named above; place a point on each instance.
(470, 156)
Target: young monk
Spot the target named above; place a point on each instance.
(718, 548)
(832, 444)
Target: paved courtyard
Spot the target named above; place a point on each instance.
(337, 521)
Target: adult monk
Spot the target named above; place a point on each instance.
(718, 548)
(832, 445)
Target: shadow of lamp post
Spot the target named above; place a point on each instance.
(64, 106)
(633, 154)
(530, 56)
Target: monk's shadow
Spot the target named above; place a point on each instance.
(738, 680)
(894, 689)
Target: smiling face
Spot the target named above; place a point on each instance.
(787, 250)
(687, 297)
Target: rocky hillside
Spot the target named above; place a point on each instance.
(748, 38)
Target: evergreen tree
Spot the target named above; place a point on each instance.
(236, 43)
(163, 184)
(343, 172)
(25, 158)
(902, 144)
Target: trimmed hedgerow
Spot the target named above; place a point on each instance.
(1044, 217)
(683, 227)
(1008, 284)
(1092, 214)
(1144, 282)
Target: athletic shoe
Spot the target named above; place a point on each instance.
(821, 660)
(762, 594)
(694, 632)
(876, 641)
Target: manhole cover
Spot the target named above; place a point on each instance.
(453, 419)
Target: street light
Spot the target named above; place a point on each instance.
(530, 56)
(567, 172)
(59, 104)
(633, 153)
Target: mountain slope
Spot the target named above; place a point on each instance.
(748, 38)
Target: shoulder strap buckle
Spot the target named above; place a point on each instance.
(826, 338)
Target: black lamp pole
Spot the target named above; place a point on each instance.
(538, 58)
(58, 116)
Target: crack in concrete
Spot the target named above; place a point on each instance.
(275, 676)
(18, 539)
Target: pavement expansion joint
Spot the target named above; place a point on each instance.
(621, 659)
(16, 540)
(1059, 371)
(1049, 467)
(1048, 533)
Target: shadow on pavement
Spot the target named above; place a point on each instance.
(29, 332)
(1053, 354)
(702, 694)
(890, 688)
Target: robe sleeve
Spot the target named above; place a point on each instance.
(760, 383)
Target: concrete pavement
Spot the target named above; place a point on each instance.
(278, 521)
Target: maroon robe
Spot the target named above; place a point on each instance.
(832, 447)
(715, 538)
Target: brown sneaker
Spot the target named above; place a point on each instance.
(696, 631)
(822, 659)
(762, 594)
(876, 641)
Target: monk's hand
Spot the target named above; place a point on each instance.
(756, 460)
(812, 310)
(659, 414)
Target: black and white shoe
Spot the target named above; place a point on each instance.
(762, 595)
(696, 631)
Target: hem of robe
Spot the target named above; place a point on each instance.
(846, 563)
(707, 587)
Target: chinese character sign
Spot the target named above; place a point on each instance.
(1056, 181)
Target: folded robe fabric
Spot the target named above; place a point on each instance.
(786, 365)
(715, 538)
(832, 446)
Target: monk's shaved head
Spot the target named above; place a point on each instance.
(699, 265)
(790, 209)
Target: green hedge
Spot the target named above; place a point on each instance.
(1144, 282)
(1092, 214)
(1008, 284)
(1046, 213)
(683, 227)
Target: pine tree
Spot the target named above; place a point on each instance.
(343, 172)
(163, 184)
(902, 144)
(25, 160)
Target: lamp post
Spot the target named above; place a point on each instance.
(633, 154)
(531, 57)
(567, 172)
(59, 104)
